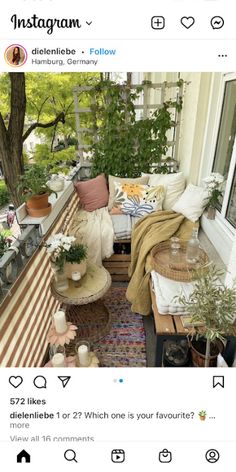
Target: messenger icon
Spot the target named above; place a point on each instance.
(165, 456)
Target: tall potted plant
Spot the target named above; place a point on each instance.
(214, 305)
(35, 190)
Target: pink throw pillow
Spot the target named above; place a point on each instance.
(93, 193)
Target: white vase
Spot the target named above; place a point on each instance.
(69, 268)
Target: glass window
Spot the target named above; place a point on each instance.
(227, 132)
(231, 209)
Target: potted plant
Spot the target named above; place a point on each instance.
(76, 260)
(5, 241)
(213, 184)
(67, 256)
(213, 304)
(202, 415)
(35, 190)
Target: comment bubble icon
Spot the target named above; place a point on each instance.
(40, 382)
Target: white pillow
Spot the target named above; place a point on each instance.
(192, 202)
(174, 184)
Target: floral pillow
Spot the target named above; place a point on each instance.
(137, 200)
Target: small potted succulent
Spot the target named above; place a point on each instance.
(35, 190)
(213, 184)
(213, 304)
(202, 415)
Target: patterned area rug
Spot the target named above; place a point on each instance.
(125, 345)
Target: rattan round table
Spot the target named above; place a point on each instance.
(84, 305)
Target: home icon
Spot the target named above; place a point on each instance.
(23, 456)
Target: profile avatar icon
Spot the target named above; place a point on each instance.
(15, 55)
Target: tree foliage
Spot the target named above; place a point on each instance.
(34, 102)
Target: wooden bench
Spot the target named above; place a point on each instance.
(118, 264)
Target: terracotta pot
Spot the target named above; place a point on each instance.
(39, 212)
(38, 201)
(202, 418)
(211, 213)
(69, 268)
(198, 358)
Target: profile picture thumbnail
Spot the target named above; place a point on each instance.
(15, 55)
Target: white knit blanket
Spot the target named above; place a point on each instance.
(95, 229)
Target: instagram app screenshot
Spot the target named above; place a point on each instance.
(117, 235)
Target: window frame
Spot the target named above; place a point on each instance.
(222, 212)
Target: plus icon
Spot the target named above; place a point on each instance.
(158, 22)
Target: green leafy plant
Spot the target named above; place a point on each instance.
(126, 147)
(76, 254)
(54, 161)
(5, 241)
(34, 181)
(212, 303)
(4, 194)
(202, 414)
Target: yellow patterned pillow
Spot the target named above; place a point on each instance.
(137, 200)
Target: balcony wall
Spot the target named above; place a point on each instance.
(25, 313)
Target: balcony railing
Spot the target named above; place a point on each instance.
(27, 304)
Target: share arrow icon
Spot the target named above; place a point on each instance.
(64, 379)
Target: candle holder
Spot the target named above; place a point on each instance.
(57, 356)
(56, 349)
(82, 352)
(58, 339)
(76, 276)
(83, 356)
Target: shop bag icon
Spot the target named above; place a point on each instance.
(165, 456)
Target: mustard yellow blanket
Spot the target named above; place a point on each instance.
(149, 231)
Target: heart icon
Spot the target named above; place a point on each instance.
(15, 381)
(187, 21)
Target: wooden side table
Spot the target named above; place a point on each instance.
(84, 306)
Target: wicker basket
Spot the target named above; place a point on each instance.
(183, 272)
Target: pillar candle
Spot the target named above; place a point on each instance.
(76, 276)
(84, 356)
(58, 360)
(60, 322)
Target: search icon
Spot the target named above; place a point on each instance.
(70, 455)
